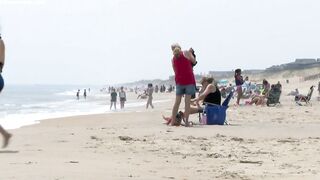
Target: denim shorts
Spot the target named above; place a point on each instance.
(185, 89)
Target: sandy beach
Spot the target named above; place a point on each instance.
(64, 64)
(261, 142)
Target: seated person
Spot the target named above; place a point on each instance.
(260, 99)
(208, 94)
(304, 98)
(144, 95)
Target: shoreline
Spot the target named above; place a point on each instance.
(33, 121)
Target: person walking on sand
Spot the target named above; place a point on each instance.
(113, 95)
(239, 81)
(185, 82)
(123, 97)
(150, 96)
(6, 136)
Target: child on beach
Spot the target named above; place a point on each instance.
(4, 133)
(113, 95)
(122, 96)
(239, 81)
(150, 97)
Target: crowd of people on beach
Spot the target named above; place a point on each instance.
(254, 94)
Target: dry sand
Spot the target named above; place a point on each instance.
(280, 142)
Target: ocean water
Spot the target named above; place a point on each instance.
(22, 105)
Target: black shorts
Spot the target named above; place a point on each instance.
(122, 99)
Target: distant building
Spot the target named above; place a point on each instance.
(297, 64)
(305, 61)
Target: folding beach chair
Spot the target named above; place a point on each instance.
(274, 95)
(301, 98)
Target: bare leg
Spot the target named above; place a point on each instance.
(175, 109)
(148, 102)
(194, 110)
(239, 91)
(151, 103)
(122, 104)
(6, 137)
(187, 101)
(111, 105)
(254, 100)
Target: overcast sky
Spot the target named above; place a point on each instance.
(115, 41)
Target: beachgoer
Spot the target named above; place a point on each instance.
(185, 82)
(78, 93)
(123, 97)
(280, 86)
(113, 95)
(259, 99)
(150, 97)
(143, 95)
(156, 89)
(239, 81)
(6, 136)
(210, 94)
(319, 87)
(266, 87)
(85, 94)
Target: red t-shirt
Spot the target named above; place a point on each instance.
(183, 71)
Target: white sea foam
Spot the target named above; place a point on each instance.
(28, 117)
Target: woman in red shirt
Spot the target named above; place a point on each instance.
(185, 83)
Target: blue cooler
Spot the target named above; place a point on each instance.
(216, 115)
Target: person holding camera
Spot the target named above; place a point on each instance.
(185, 82)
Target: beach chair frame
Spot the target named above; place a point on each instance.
(306, 99)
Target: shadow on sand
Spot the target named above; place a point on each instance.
(8, 152)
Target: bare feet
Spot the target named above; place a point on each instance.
(6, 140)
